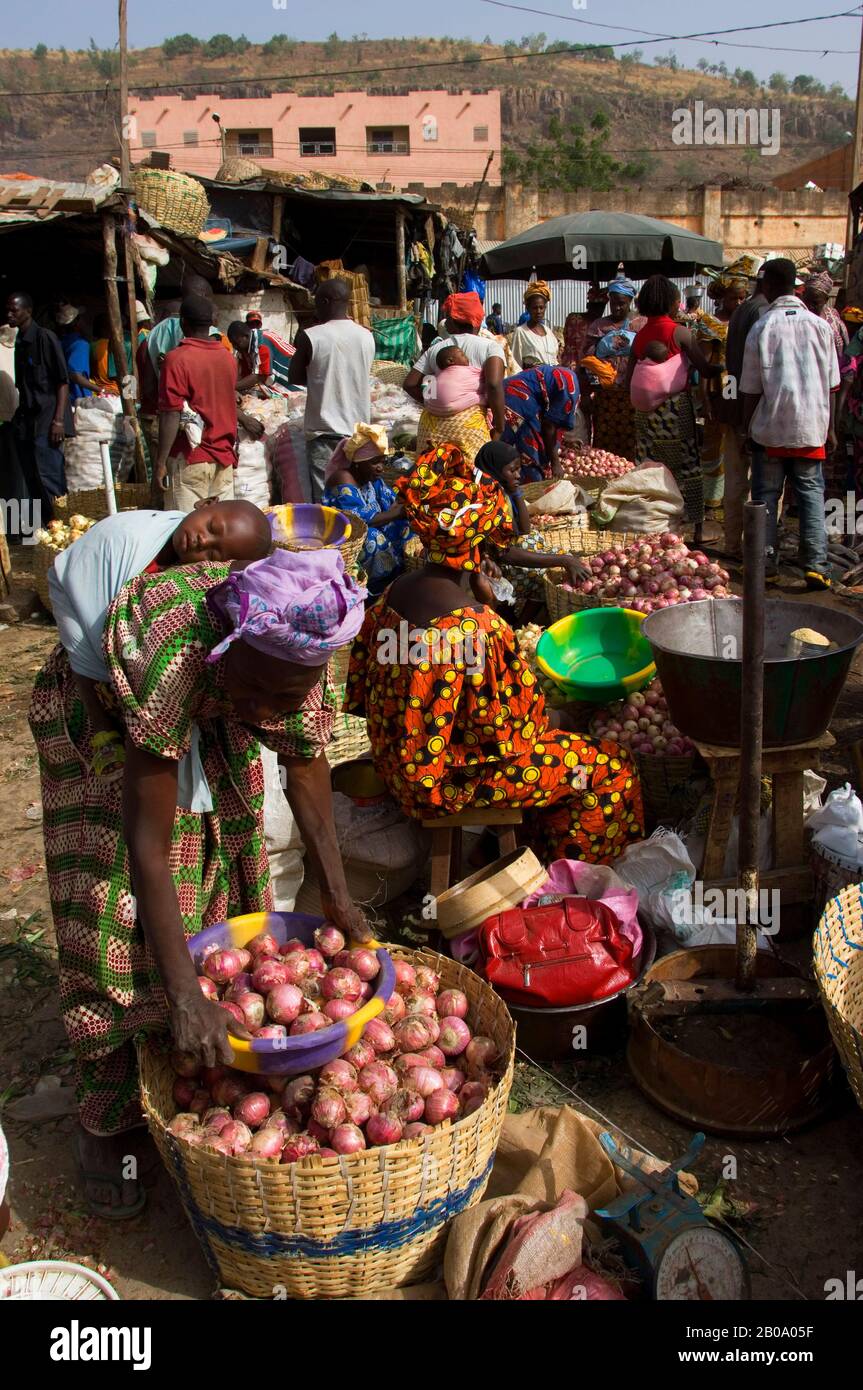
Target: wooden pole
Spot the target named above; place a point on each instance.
(125, 162)
(479, 190)
(115, 323)
(401, 275)
(751, 731)
(140, 453)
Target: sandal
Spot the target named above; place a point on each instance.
(115, 1210)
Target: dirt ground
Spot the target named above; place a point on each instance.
(802, 1194)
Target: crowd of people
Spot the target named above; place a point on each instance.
(186, 640)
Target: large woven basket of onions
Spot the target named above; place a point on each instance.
(350, 1225)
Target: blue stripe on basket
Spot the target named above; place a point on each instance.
(387, 1235)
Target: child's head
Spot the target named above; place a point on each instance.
(656, 351)
(220, 531)
(451, 356)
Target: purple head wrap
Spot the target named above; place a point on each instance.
(296, 605)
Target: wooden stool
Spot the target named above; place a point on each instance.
(791, 871)
(446, 841)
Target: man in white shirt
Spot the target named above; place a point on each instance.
(333, 361)
(790, 378)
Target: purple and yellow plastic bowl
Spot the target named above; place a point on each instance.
(308, 526)
(292, 1056)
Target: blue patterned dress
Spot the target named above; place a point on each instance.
(382, 556)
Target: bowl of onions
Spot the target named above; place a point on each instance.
(295, 984)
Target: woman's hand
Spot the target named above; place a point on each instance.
(201, 1028)
(348, 917)
(576, 570)
(490, 568)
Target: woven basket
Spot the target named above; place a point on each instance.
(832, 873)
(665, 785)
(236, 168)
(415, 555)
(175, 200)
(532, 491)
(91, 500)
(391, 472)
(838, 960)
(593, 486)
(393, 373)
(564, 533)
(338, 1227)
(43, 559)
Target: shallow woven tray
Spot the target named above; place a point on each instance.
(91, 501)
(838, 961)
(337, 1227)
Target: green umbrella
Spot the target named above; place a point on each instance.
(590, 245)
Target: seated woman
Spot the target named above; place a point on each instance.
(463, 725)
(354, 482)
(521, 563)
(85, 578)
(538, 404)
(242, 657)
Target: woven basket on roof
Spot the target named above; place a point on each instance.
(235, 169)
(91, 501)
(338, 1227)
(838, 961)
(175, 200)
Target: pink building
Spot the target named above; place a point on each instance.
(426, 137)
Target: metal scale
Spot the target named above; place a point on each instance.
(667, 1240)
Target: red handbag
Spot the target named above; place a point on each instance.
(570, 952)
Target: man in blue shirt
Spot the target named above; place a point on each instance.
(76, 349)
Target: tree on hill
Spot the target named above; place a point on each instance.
(280, 43)
(778, 82)
(180, 45)
(806, 86)
(219, 46)
(633, 56)
(667, 60)
(572, 156)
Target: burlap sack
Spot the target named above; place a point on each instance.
(647, 499)
(560, 498)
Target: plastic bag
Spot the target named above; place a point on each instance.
(696, 843)
(560, 498)
(646, 499)
(568, 877)
(838, 826)
(659, 869)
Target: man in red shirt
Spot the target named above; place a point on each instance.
(198, 373)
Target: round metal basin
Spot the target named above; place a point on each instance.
(698, 649)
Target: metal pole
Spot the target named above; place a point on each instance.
(751, 731)
(857, 153)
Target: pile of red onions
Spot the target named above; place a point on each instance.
(651, 574)
(417, 1065)
(642, 724)
(593, 463)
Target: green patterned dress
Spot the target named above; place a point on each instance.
(157, 636)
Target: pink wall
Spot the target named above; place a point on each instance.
(454, 156)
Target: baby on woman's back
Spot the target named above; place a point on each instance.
(458, 386)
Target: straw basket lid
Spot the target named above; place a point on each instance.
(234, 169)
(505, 883)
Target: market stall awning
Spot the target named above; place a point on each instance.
(587, 245)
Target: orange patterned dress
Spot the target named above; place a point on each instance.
(457, 720)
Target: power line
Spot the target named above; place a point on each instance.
(572, 50)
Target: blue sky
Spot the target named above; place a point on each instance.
(58, 23)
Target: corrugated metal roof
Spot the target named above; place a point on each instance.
(318, 195)
(41, 197)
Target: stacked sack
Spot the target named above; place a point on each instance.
(98, 420)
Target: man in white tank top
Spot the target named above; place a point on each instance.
(333, 361)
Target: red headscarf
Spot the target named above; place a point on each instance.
(453, 509)
(464, 308)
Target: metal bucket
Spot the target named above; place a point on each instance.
(698, 649)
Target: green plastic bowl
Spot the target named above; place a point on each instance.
(597, 655)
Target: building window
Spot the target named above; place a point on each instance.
(190, 137)
(148, 139)
(316, 141)
(255, 144)
(388, 140)
(480, 134)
